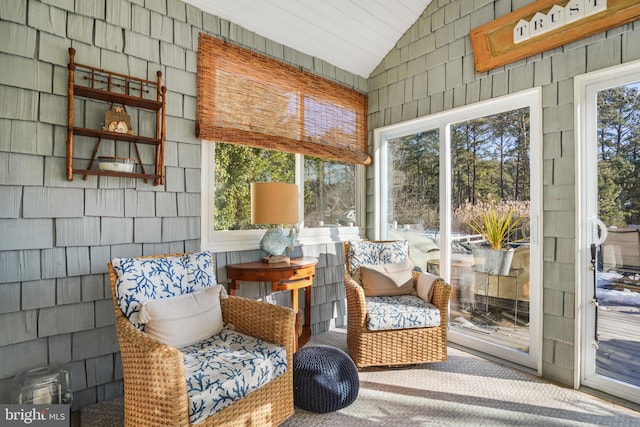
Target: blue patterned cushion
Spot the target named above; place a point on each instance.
(362, 253)
(400, 312)
(374, 253)
(225, 368)
(141, 280)
(393, 252)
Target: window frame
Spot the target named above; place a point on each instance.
(240, 240)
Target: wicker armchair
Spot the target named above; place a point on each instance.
(396, 346)
(155, 388)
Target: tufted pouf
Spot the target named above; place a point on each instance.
(325, 379)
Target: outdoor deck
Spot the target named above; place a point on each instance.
(618, 355)
(495, 324)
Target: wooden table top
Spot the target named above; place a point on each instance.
(259, 265)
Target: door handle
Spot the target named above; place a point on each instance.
(598, 240)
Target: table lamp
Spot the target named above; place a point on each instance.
(275, 203)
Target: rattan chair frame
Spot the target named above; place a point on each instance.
(398, 346)
(155, 387)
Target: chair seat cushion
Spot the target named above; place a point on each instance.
(400, 312)
(226, 367)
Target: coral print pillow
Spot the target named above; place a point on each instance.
(393, 252)
(361, 253)
(374, 253)
(145, 279)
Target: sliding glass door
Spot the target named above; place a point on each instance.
(437, 177)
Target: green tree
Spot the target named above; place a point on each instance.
(329, 192)
(619, 148)
(610, 204)
(619, 122)
(413, 185)
(520, 130)
(236, 167)
(467, 154)
(490, 155)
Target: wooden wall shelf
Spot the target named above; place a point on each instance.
(95, 133)
(115, 88)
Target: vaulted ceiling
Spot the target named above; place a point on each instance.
(354, 35)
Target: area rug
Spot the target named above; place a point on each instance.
(466, 390)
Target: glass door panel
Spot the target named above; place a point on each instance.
(490, 190)
(611, 276)
(413, 202)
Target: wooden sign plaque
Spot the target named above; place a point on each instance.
(493, 43)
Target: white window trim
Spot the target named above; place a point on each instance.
(531, 98)
(586, 87)
(240, 240)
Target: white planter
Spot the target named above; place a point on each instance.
(493, 261)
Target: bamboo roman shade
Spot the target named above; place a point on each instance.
(250, 99)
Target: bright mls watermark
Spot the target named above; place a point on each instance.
(35, 415)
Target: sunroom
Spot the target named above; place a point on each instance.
(543, 131)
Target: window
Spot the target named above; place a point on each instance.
(329, 193)
(329, 190)
(236, 167)
(252, 100)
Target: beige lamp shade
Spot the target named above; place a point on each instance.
(274, 203)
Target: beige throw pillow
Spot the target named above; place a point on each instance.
(387, 279)
(184, 319)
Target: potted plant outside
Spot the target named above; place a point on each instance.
(497, 225)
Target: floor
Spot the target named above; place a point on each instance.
(466, 390)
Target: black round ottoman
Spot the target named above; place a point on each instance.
(325, 379)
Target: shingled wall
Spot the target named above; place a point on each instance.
(431, 69)
(56, 237)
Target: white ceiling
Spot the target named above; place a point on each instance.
(354, 35)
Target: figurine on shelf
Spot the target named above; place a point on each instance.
(117, 120)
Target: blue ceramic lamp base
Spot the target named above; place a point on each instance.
(274, 242)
